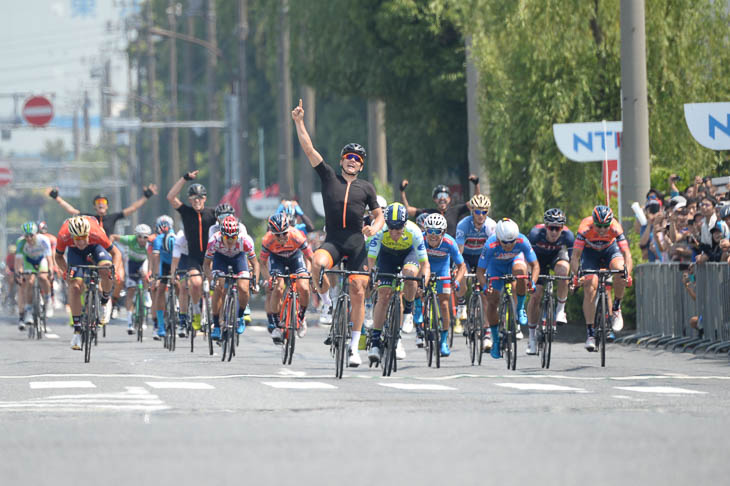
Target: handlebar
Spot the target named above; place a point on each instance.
(555, 277)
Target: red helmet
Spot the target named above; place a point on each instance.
(229, 227)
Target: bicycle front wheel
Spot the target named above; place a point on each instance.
(548, 333)
(340, 336)
(428, 328)
(601, 323)
(391, 336)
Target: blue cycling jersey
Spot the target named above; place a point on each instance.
(157, 247)
(473, 239)
(444, 254)
(494, 253)
(542, 247)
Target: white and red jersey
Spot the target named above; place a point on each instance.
(242, 245)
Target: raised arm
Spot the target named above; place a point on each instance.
(52, 192)
(411, 210)
(177, 187)
(298, 116)
(148, 192)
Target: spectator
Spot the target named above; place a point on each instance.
(714, 251)
(688, 278)
(653, 241)
(710, 219)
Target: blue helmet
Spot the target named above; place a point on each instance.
(396, 216)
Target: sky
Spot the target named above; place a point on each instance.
(51, 48)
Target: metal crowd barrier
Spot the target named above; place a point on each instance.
(664, 308)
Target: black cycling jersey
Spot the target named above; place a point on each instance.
(344, 202)
(541, 245)
(196, 226)
(453, 215)
(107, 221)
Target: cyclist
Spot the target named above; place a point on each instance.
(345, 199)
(284, 250)
(32, 254)
(601, 243)
(399, 248)
(86, 241)
(197, 220)
(442, 252)
(506, 251)
(441, 195)
(226, 249)
(471, 234)
(136, 246)
(553, 245)
(297, 218)
(181, 261)
(161, 260)
(9, 280)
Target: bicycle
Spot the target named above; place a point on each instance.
(432, 321)
(170, 314)
(546, 329)
(230, 313)
(139, 312)
(339, 335)
(90, 318)
(474, 329)
(38, 327)
(603, 318)
(391, 326)
(508, 319)
(289, 314)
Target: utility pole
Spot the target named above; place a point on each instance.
(87, 127)
(473, 121)
(634, 169)
(377, 156)
(76, 134)
(244, 165)
(187, 148)
(286, 148)
(153, 115)
(214, 166)
(306, 175)
(174, 147)
(132, 172)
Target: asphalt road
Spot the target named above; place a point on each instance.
(138, 414)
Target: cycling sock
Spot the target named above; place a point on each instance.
(532, 330)
(129, 318)
(160, 315)
(241, 311)
(104, 297)
(589, 329)
(355, 340)
(376, 336)
(616, 304)
(521, 301)
(461, 301)
(302, 311)
(270, 319)
(325, 297)
(216, 319)
(561, 305)
(183, 319)
(407, 306)
(77, 322)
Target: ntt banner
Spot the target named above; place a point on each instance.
(588, 142)
(709, 124)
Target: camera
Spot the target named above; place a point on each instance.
(675, 178)
(684, 266)
(653, 208)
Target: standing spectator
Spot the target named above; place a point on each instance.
(710, 219)
(652, 242)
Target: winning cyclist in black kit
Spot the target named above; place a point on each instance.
(346, 199)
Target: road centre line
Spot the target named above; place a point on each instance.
(661, 389)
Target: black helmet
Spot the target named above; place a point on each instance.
(602, 215)
(724, 211)
(554, 216)
(222, 209)
(99, 196)
(197, 190)
(440, 188)
(353, 148)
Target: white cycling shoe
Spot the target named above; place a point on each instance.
(354, 360)
(407, 323)
(400, 351)
(561, 317)
(618, 321)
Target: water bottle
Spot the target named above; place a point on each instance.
(639, 213)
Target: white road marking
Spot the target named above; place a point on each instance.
(60, 384)
(660, 389)
(417, 386)
(257, 328)
(292, 373)
(179, 385)
(300, 385)
(135, 398)
(541, 387)
(51, 336)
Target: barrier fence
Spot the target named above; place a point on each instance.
(664, 307)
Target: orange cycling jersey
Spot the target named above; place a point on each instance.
(589, 236)
(295, 242)
(97, 236)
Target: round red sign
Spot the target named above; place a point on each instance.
(38, 111)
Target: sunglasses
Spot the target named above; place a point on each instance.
(441, 195)
(197, 198)
(555, 228)
(102, 201)
(480, 212)
(230, 238)
(507, 243)
(434, 231)
(354, 157)
(602, 226)
(285, 234)
(80, 238)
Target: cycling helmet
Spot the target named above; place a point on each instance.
(100, 196)
(168, 242)
(725, 211)
(290, 213)
(480, 201)
(435, 221)
(354, 148)
(439, 189)
(30, 228)
(382, 202)
(42, 227)
(163, 224)
(507, 230)
(223, 209)
(229, 227)
(554, 216)
(602, 215)
(421, 218)
(197, 190)
(79, 226)
(142, 230)
(278, 223)
(395, 216)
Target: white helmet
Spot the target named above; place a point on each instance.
(142, 230)
(79, 226)
(507, 230)
(382, 202)
(435, 221)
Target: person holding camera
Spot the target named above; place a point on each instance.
(710, 220)
(654, 241)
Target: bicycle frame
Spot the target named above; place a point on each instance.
(547, 319)
(507, 318)
(602, 320)
(432, 315)
(289, 314)
(229, 313)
